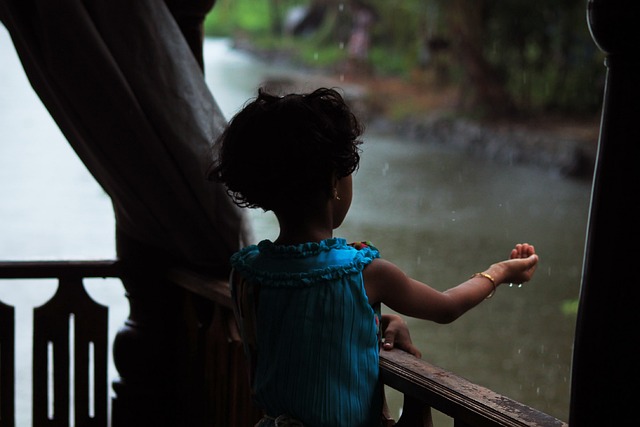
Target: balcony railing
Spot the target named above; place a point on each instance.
(216, 382)
(70, 313)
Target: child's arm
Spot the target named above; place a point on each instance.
(386, 283)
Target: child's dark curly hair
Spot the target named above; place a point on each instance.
(281, 151)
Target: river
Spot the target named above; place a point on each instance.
(436, 213)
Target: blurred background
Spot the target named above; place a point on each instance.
(491, 57)
(482, 120)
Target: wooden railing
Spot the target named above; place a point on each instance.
(217, 372)
(69, 313)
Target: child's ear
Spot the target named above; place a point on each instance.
(332, 188)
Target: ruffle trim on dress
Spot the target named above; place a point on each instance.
(270, 249)
(361, 259)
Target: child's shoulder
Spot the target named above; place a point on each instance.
(365, 249)
(365, 253)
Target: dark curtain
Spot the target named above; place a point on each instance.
(125, 88)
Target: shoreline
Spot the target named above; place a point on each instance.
(559, 152)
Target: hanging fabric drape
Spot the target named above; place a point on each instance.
(123, 85)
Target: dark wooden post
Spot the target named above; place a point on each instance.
(605, 365)
(148, 349)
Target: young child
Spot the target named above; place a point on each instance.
(308, 303)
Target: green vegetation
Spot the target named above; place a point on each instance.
(229, 17)
(570, 307)
(505, 55)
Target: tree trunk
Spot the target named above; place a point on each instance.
(485, 88)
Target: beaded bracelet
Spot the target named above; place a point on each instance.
(493, 282)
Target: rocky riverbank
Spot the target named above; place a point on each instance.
(568, 151)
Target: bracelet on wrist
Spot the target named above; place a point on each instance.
(491, 279)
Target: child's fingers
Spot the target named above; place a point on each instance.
(527, 250)
(517, 251)
(522, 250)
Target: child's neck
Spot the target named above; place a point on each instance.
(297, 229)
(293, 237)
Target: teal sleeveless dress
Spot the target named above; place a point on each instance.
(315, 336)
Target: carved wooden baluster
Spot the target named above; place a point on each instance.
(7, 366)
(70, 310)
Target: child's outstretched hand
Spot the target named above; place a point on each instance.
(522, 263)
(522, 250)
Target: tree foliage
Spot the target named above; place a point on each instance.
(511, 55)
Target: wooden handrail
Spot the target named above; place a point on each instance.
(466, 402)
(215, 290)
(57, 269)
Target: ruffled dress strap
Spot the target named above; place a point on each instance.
(302, 265)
